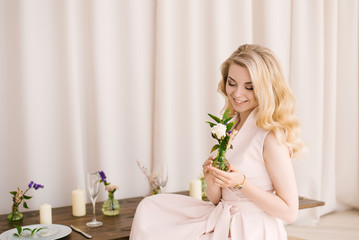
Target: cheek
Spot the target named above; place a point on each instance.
(228, 90)
(255, 99)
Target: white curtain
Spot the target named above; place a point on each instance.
(96, 85)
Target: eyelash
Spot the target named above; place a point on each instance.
(232, 85)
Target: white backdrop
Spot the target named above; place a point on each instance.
(95, 85)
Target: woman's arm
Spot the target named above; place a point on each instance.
(283, 204)
(213, 192)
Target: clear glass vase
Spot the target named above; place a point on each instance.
(15, 215)
(220, 161)
(111, 207)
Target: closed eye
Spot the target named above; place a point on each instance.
(231, 82)
(248, 86)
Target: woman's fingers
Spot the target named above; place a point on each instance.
(226, 179)
(208, 161)
(232, 168)
(207, 164)
(222, 178)
(219, 182)
(218, 172)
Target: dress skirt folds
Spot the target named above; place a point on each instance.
(178, 217)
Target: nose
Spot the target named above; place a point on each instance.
(239, 92)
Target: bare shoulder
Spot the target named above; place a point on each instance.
(273, 150)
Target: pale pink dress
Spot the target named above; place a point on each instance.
(178, 217)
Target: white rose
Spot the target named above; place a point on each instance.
(219, 130)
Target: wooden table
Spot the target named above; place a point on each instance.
(117, 227)
(309, 203)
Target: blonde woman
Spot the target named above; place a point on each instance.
(258, 193)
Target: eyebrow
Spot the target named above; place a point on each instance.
(236, 81)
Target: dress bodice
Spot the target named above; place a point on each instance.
(247, 157)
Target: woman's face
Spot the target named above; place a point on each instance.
(239, 89)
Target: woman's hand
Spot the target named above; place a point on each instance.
(208, 175)
(214, 192)
(226, 179)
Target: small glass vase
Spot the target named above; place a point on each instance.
(220, 161)
(111, 207)
(15, 215)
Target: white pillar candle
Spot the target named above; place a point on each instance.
(195, 189)
(45, 214)
(78, 203)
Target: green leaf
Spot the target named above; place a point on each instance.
(39, 229)
(215, 118)
(214, 136)
(229, 126)
(231, 147)
(225, 143)
(13, 193)
(27, 197)
(227, 120)
(26, 229)
(25, 205)
(225, 115)
(16, 235)
(215, 147)
(18, 228)
(33, 231)
(211, 124)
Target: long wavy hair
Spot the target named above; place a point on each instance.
(276, 102)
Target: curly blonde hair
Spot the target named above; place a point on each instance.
(276, 102)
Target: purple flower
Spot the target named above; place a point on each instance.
(229, 132)
(103, 176)
(19, 196)
(37, 186)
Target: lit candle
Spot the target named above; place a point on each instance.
(78, 203)
(195, 189)
(45, 214)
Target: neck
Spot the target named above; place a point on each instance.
(242, 118)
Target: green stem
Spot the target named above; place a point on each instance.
(15, 207)
(221, 152)
(110, 194)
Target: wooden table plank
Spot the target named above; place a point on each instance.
(309, 203)
(116, 227)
